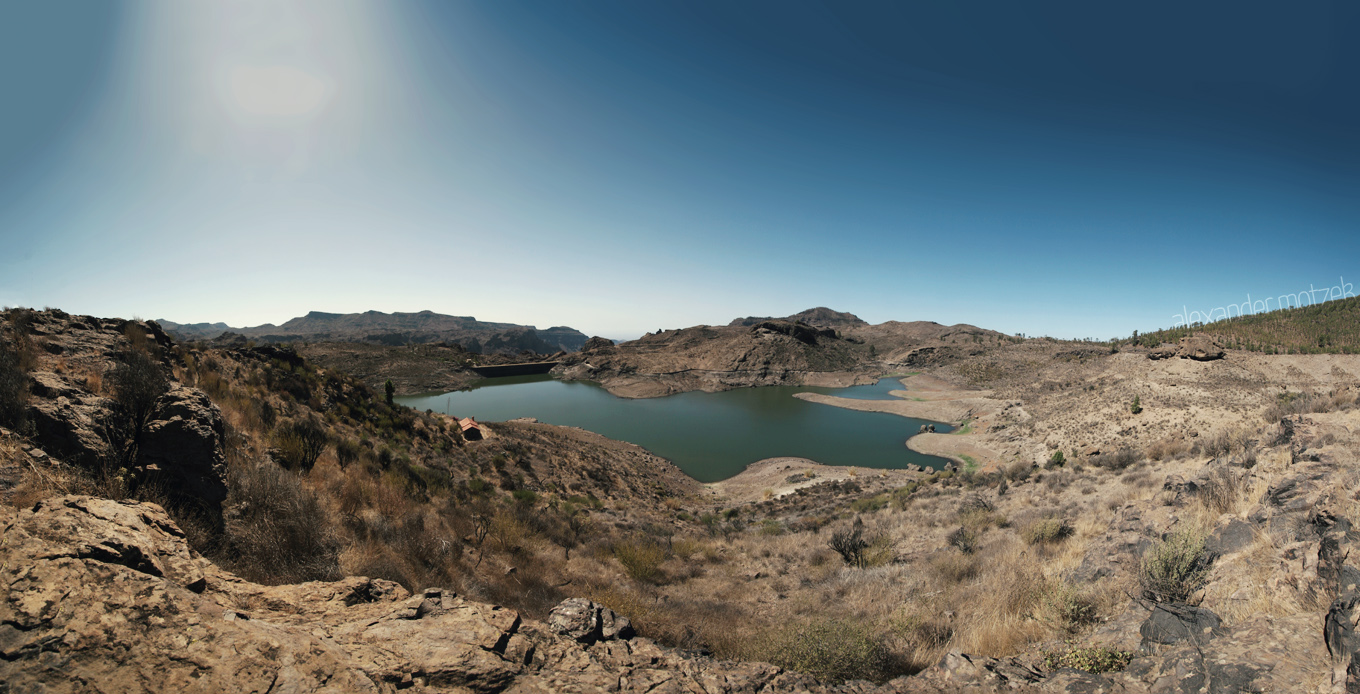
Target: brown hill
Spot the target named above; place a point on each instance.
(771, 352)
(815, 347)
(397, 329)
(820, 317)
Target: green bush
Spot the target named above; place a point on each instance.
(901, 497)
(832, 651)
(1174, 568)
(1136, 406)
(1056, 460)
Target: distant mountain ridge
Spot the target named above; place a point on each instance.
(395, 329)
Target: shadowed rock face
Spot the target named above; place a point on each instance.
(71, 409)
(108, 592)
(183, 444)
(1195, 347)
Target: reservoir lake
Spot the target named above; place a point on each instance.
(710, 436)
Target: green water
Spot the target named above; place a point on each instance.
(711, 436)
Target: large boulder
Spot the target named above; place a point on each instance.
(588, 622)
(182, 446)
(1162, 351)
(595, 343)
(1200, 348)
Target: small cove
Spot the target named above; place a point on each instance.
(710, 436)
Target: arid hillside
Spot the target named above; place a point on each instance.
(1332, 327)
(816, 347)
(1136, 521)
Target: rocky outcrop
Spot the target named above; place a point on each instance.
(75, 420)
(1196, 347)
(108, 592)
(597, 343)
(588, 622)
(1162, 351)
(183, 446)
(68, 420)
(801, 332)
(1200, 348)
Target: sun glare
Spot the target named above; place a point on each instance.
(277, 91)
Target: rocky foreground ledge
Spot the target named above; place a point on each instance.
(106, 596)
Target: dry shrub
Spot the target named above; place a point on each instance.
(1047, 531)
(956, 567)
(511, 532)
(94, 380)
(693, 623)
(1168, 449)
(528, 587)
(687, 547)
(1224, 442)
(1118, 460)
(964, 539)
(832, 651)
(1307, 403)
(980, 520)
(300, 442)
(276, 531)
(641, 559)
(1174, 568)
(974, 503)
(1221, 491)
(1001, 622)
(859, 551)
(1071, 609)
(923, 638)
(374, 560)
(1018, 471)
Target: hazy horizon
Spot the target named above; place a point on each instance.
(1052, 168)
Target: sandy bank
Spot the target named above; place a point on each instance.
(781, 476)
(928, 397)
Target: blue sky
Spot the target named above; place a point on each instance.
(1074, 169)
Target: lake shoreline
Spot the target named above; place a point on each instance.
(711, 436)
